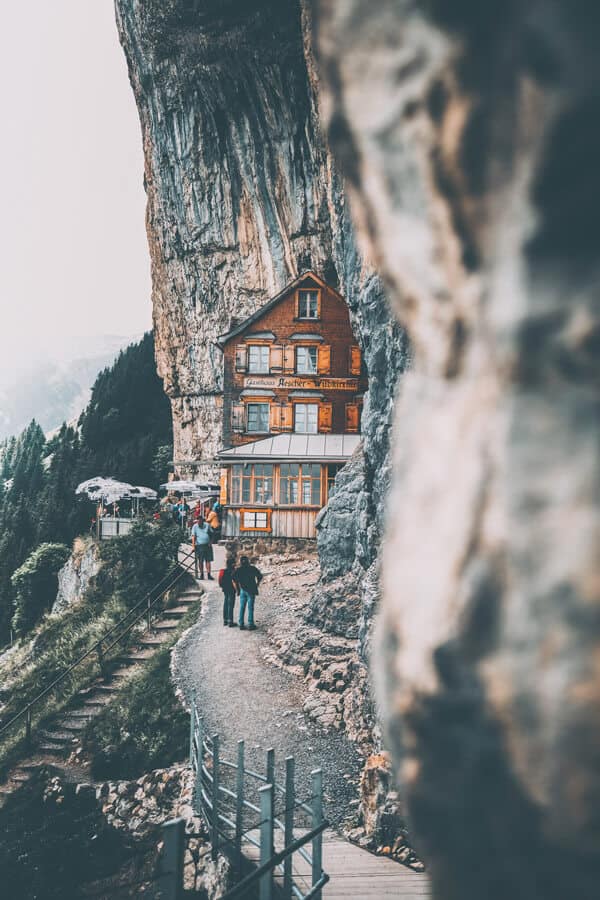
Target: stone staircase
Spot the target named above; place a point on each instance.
(54, 745)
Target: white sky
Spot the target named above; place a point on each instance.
(73, 252)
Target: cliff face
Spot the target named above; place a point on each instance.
(468, 133)
(242, 195)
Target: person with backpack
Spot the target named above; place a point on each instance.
(214, 523)
(229, 587)
(247, 578)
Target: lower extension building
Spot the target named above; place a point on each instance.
(293, 391)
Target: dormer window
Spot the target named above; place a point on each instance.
(308, 304)
(258, 359)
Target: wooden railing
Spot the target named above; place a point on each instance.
(227, 795)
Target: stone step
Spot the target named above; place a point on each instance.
(77, 725)
(175, 612)
(135, 658)
(165, 626)
(53, 749)
(83, 714)
(107, 688)
(56, 737)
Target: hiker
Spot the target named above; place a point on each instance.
(247, 578)
(197, 511)
(214, 523)
(229, 588)
(202, 549)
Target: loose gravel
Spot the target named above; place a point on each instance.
(242, 696)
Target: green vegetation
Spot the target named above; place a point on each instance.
(35, 584)
(131, 566)
(125, 432)
(145, 727)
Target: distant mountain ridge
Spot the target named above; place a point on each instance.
(53, 391)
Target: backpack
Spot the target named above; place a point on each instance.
(221, 576)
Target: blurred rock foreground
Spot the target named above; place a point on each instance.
(466, 135)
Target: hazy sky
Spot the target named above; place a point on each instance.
(73, 253)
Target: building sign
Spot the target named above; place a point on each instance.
(287, 382)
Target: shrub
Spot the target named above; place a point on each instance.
(36, 583)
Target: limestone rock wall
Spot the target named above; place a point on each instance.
(243, 194)
(76, 574)
(468, 134)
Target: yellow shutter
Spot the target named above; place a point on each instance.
(289, 359)
(241, 358)
(238, 417)
(352, 417)
(276, 358)
(355, 360)
(223, 486)
(324, 359)
(325, 416)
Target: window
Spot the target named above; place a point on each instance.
(252, 483)
(306, 360)
(332, 471)
(306, 418)
(255, 520)
(300, 484)
(308, 304)
(258, 418)
(258, 358)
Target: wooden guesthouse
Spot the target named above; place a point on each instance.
(292, 403)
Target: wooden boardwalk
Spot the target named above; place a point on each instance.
(355, 874)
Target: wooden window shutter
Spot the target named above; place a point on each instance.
(325, 416)
(241, 358)
(287, 416)
(238, 417)
(324, 359)
(289, 359)
(275, 417)
(352, 417)
(355, 360)
(276, 358)
(223, 488)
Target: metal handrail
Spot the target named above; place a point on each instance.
(213, 801)
(98, 645)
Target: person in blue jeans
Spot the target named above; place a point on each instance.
(247, 578)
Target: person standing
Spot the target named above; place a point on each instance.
(229, 588)
(247, 578)
(214, 523)
(202, 549)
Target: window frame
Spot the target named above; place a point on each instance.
(306, 348)
(306, 405)
(243, 480)
(300, 298)
(261, 348)
(306, 475)
(266, 430)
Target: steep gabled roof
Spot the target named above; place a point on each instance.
(241, 326)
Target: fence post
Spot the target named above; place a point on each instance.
(28, 725)
(271, 780)
(266, 840)
(200, 757)
(239, 806)
(170, 879)
(290, 801)
(101, 661)
(192, 728)
(317, 818)
(148, 613)
(215, 799)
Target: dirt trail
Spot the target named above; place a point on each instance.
(242, 696)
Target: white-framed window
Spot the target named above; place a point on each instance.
(258, 358)
(300, 484)
(306, 418)
(308, 304)
(257, 420)
(306, 360)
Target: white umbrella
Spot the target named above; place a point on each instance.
(143, 493)
(109, 490)
(181, 487)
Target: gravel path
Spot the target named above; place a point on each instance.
(243, 697)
